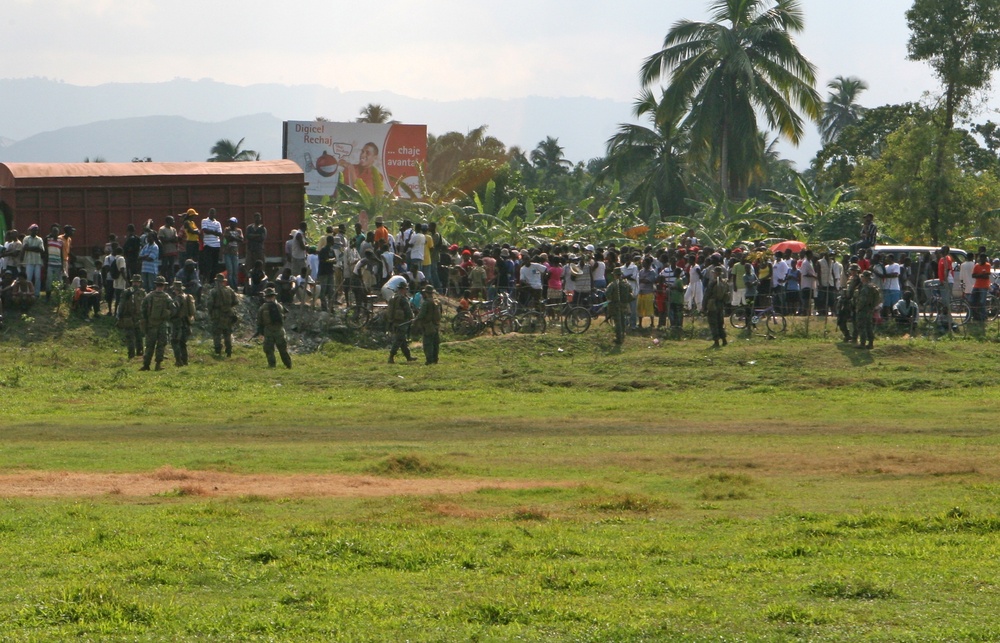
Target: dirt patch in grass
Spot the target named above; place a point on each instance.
(213, 483)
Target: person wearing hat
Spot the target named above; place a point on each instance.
(400, 315)
(619, 295)
(232, 241)
(191, 235)
(866, 300)
(129, 315)
(271, 325)
(157, 308)
(180, 322)
(191, 278)
(428, 323)
(845, 307)
(716, 297)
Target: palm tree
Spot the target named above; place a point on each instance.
(724, 75)
(446, 154)
(841, 108)
(224, 151)
(374, 113)
(656, 154)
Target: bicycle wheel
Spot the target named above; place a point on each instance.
(992, 307)
(577, 320)
(356, 317)
(961, 312)
(503, 324)
(775, 323)
(738, 320)
(530, 323)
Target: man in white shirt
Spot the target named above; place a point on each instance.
(532, 273)
(416, 258)
(779, 271)
(891, 290)
(211, 238)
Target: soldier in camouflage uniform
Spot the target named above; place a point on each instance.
(428, 324)
(716, 298)
(866, 300)
(180, 323)
(400, 315)
(157, 307)
(619, 295)
(845, 306)
(270, 324)
(129, 315)
(221, 303)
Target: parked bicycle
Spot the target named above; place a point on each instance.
(934, 310)
(764, 311)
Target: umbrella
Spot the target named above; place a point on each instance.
(794, 246)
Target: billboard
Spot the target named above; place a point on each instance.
(331, 154)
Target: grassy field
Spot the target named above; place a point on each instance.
(770, 491)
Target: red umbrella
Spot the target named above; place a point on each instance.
(794, 246)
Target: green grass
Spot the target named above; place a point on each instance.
(772, 491)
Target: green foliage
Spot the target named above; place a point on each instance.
(920, 201)
(724, 73)
(960, 40)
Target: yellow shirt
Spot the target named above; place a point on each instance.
(428, 246)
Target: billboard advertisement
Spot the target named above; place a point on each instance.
(333, 154)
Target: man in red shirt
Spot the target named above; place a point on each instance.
(981, 273)
(945, 275)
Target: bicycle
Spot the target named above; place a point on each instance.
(958, 309)
(482, 315)
(773, 320)
(574, 319)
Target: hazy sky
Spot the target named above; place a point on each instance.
(438, 49)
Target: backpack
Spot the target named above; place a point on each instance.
(115, 271)
(274, 314)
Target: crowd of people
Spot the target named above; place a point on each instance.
(639, 283)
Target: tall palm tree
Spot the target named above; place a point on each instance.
(656, 154)
(374, 113)
(548, 157)
(225, 151)
(724, 75)
(841, 108)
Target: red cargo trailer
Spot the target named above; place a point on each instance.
(103, 198)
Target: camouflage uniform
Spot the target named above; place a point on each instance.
(428, 322)
(845, 310)
(715, 305)
(157, 307)
(221, 303)
(865, 302)
(180, 323)
(270, 324)
(619, 295)
(129, 314)
(399, 315)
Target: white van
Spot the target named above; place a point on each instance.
(913, 252)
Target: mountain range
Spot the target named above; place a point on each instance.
(43, 120)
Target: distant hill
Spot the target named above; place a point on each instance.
(160, 138)
(179, 120)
